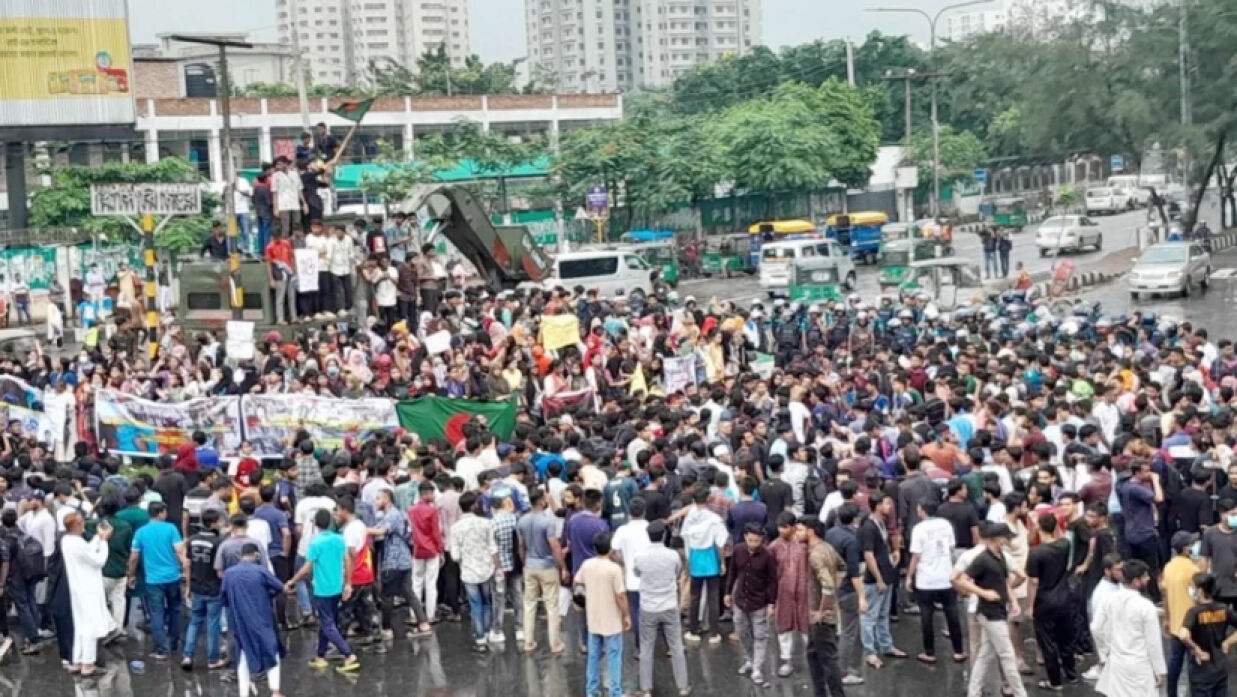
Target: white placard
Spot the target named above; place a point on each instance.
(240, 340)
(306, 270)
(138, 198)
(438, 342)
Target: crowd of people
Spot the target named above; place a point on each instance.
(1032, 480)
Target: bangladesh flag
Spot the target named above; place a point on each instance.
(442, 417)
(353, 111)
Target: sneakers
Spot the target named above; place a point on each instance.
(745, 668)
(480, 647)
(319, 663)
(689, 636)
(715, 639)
(1093, 673)
(388, 634)
(46, 634)
(497, 637)
(5, 647)
(852, 680)
(785, 670)
(759, 680)
(519, 635)
(349, 666)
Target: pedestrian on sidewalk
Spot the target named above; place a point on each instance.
(988, 239)
(1004, 246)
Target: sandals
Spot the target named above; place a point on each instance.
(960, 657)
(896, 653)
(926, 658)
(874, 661)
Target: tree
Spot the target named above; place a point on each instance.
(398, 176)
(961, 153)
(489, 153)
(799, 139)
(66, 203)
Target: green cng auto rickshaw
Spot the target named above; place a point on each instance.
(892, 232)
(663, 256)
(814, 278)
(896, 258)
(947, 280)
(725, 256)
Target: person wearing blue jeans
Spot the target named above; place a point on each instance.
(603, 584)
(480, 607)
(988, 241)
(205, 610)
(331, 565)
(164, 601)
(879, 579)
(165, 564)
(21, 592)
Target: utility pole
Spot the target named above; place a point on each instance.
(1183, 68)
(936, 125)
(298, 65)
(229, 172)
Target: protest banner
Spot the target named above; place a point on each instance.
(306, 270)
(129, 425)
(558, 331)
(574, 403)
(438, 342)
(763, 365)
(678, 372)
(20, 401)
(271, 421)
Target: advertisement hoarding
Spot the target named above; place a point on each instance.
(65, 62)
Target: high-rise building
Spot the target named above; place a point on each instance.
(1021, 17)
(340, 39)
(611, 45)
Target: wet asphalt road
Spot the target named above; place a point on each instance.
(444, 665)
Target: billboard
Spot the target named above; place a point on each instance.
(65, 62)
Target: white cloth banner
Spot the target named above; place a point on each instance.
(306, 270)
(678, 373)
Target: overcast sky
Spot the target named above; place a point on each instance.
(498, 25)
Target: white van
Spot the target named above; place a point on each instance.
(776, 258)
(612, 272)
(1128, 185)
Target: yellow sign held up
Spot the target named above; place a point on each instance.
(558, 331)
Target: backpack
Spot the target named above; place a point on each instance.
(30, 559)
(814, 492)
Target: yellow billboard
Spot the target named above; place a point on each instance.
(65, 62)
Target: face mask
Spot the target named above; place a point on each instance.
(1196, 551)
(332, 371)
(1232, 521)
(1193, 593)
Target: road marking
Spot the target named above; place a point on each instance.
(1224, 273)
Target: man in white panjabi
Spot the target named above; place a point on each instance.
(83, 567)
(1126, 629)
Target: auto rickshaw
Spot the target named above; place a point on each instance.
(663, 256)
(1008, 212)
(860, 231)
(726, 255)
(896, 257)
(947, 280)
(929, 228)
(892, 232)
(814, 279)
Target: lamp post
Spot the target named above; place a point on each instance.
(936, 126)
(229, 173)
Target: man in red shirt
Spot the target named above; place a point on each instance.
(427, 548)
(282, 273)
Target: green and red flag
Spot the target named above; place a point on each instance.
(353, 111)
(442, 417)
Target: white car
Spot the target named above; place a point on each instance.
(1170, 267)
(1105, 199)
(1072, 232)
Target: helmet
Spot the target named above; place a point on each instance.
(906, 314)
(778, 302)
(895, 323)
(853, 298)
(862, 316)
(796, 306)
(813, 309)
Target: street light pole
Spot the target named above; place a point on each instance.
(936, 126)
(229, 172)
(298, 64)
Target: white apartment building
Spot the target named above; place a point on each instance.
(341, 38)
(609, 45)
(1024, 17)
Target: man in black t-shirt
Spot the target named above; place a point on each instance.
(1205, 632)
(987, 578)
(206, 603)
(1048, 596)
(962, 516)
(880, 578)
(172, 486)
(1191, 507)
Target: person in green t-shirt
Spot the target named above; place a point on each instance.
(330, 563)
